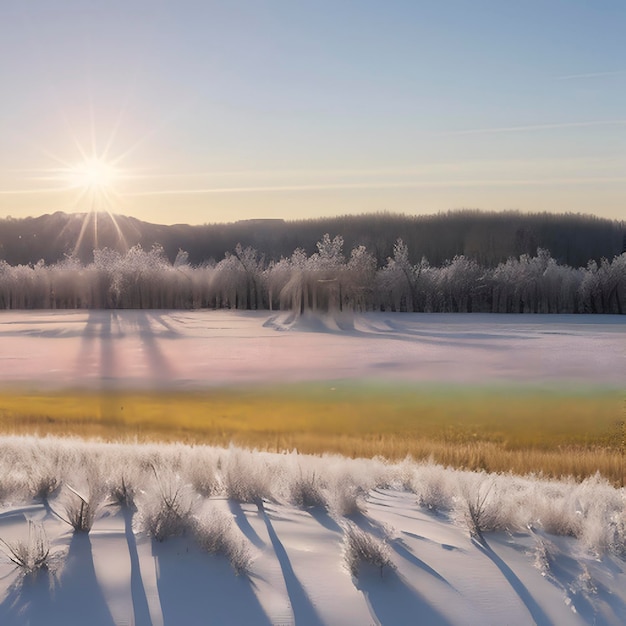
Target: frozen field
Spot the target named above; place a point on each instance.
(188, 350)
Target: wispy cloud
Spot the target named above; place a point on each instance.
(383, 185)
(536, 127)
(591, 75)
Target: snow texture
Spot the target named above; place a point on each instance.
(189, 350)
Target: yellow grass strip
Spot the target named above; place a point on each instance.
(557, 432)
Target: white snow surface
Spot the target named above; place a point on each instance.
(437, 573)
(195, 349)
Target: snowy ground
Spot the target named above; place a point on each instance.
(187, 350)
(528, 570)
(556, 555)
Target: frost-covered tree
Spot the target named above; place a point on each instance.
(323, 281)
(252, 266)
(398, 280)
(360, 279)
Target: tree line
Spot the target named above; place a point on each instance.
(489, 238)
(327, 279)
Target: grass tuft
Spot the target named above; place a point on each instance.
(362, 548)
(32, 555)
(216, 534)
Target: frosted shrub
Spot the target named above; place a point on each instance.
(349, 482)
(481, 507)
(306, 491)
(601, 508)
(405, 474)
(543, 555)
(346, 498)
(200, 469)
(31, 555)
(166, 510)
(82, 501)
(215, 532)
(432, 485)
(44, 468)
(81, 508)
(362, 548)
(11, 485)
(245, 476)
(556, 513)
(125, 475)
(123, 492)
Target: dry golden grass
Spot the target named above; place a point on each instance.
(556, 433)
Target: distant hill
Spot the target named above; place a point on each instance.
(489, 238)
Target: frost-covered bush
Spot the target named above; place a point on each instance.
(306, 491)
(433, 485)
(216, 533)
(166, 481)
(349, 483)
(84, 490)
(543, 555)
(246, 476)
(362, 548)
(31, 555)
(166, 507)
(199, 467)
(80, 508)
(484, 505)
(346, 498)
(123, 492)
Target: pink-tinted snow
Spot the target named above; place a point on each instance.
(187, 350)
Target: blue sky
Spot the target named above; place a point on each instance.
(218, 111)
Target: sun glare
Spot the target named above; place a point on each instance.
(93, 175)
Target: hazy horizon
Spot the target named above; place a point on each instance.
(207, 113)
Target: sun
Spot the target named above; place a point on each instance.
(93, 175)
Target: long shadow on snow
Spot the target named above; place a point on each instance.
(567, 573)
(158, 363)
(98, 326)
(196, 588)
(394, 332)
(373, 527)
(392, 601)
(141, 610)
(72, 599)
(303, 610)
(322, 517)
(536, 612)
(169, 331)
(244, 525)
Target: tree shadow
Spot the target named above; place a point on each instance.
(169, 331)
(197, 588)
(392, 601)
(160, 367)
(244, 525)
(303, 610)
(99, 326)
(141, 609)
(536, 612)
(321, 516)
(73, 598)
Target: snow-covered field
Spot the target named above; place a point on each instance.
(187, 350)
(173, 524)
(310, 540)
